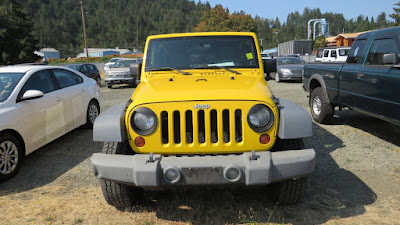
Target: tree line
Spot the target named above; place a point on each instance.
(127, 23)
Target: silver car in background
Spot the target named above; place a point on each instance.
(121, 73)
(289, 68)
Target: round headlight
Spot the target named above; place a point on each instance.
(143, 121)
(260, 118)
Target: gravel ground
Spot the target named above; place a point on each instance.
(356, 181)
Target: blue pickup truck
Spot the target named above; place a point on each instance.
(369, 81)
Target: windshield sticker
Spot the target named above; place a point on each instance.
(222, 64)
(249, 56)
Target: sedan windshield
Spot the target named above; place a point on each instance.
(287, 60)
(123, 63)
(72, 66)
(8, 81)
(202, 52)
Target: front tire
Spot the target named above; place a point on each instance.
(121, 196)
(11, 155)
(277, 78)
(289, 191)
(321, 110)
(93, 112)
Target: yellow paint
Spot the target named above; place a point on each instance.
(220, 89)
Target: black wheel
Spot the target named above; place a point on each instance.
(11, 155)
(109, 86)
(93, 112)
(321, 110)
(98, 80)
(288, 191)
(116, 194)
(277, 78)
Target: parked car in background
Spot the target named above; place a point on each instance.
(265, 55)
(368, 82)
(90, 70)
(121, 73)
(332, 54)
(293, 55)
(110, 63)
(39, 104)
(289, 68)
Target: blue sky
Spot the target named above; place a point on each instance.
(281, 8)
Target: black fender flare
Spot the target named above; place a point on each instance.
(321, 81)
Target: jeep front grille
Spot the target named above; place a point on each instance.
(201, 126)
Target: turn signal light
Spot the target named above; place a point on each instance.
(139, 141)
(265, 139)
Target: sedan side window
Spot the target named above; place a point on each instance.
(40, 81)
(65, 78)
(84, 69)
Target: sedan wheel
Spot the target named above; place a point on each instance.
(92, 113)
(277, 78)
(10, 156)
(98, 80)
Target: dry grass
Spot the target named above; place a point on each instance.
(58, 205)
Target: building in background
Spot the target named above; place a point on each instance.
(100, 52)
(300, 47)
(48, 53)
(345, 39)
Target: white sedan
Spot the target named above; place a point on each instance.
(39, 104)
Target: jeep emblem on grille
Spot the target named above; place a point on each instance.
(197, 106)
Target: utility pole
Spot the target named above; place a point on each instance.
(137, 33)
(84, 33)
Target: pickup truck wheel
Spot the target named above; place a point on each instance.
(11, 154)
(277, 78)
(289, 191)
(321, 110)
(121, 196)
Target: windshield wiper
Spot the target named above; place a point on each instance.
(169, 69)
(217, 67)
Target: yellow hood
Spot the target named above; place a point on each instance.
(170, 86)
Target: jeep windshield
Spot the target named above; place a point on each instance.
(201, 52)
(8, 81)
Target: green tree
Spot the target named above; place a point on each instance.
(219, 19)
(17, 45)
(396, 14)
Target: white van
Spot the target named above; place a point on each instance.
(332, 54)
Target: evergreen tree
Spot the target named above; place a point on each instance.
(396, 14)
(17, 45)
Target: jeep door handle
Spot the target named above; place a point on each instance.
(360, 76)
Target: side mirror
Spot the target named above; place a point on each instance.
(135, 69)
(390, 58)
(31, 94)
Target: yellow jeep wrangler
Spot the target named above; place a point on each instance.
(202, 114)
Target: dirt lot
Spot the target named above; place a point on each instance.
(356, 181)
